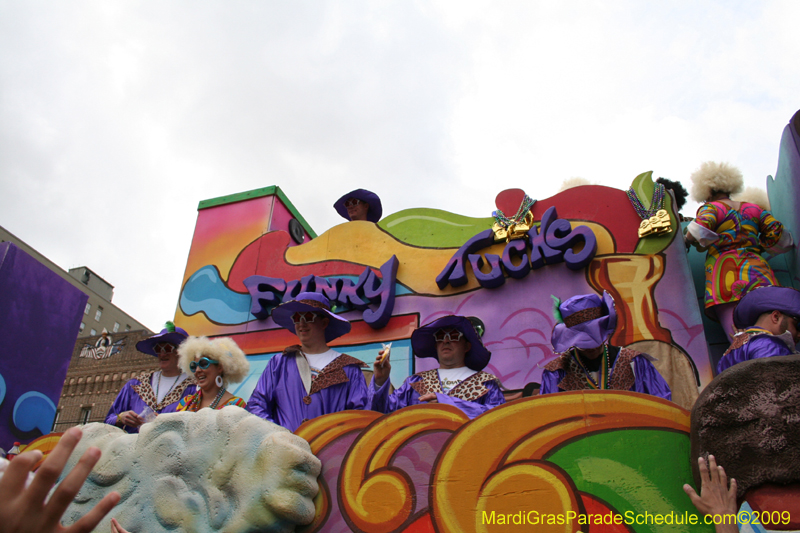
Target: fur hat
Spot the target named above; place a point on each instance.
(232, 360)
(713, 176)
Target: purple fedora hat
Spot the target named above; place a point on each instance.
(170, 333)
(762, 300)
(587, 322)
(317, 303)
(424, 345)
(375, 208)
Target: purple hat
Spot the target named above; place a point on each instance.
(587, 322)
(170, 333)
(375, 209)
(317, 303)
(762, 300)
(424, 345)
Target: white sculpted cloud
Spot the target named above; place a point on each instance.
(223, 470)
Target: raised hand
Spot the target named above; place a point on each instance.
(26, 510)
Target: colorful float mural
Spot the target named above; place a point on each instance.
(420, 264)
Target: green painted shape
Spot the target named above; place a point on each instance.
(433, 228)
(259, 193)
(644, 186)
(637, 470)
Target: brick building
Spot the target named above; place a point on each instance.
(99, 312)
(96, 374)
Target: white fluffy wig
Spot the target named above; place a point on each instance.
(753, 195)
(575, 181)
(232, 359)
(720, 177)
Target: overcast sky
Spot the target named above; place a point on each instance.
(117, 118)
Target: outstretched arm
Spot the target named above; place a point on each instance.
(716, 496)
(27, 510)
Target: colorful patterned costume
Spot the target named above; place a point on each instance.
(474, 396)
(192, 402)
(734, 263)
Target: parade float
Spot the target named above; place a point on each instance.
(593, 461)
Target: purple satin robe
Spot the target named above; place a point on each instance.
(383, 402)
(758, 346)
(128, 400)
(647, 379)
(278, 396)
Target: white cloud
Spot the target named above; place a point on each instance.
(116, 119)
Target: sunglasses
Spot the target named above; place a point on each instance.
(164, 348)
(203, 363)
(450, 335)
(308, 317)
(352, 202)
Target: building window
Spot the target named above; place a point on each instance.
(93, 332)
(116, 327)
(127, 327)
(83, 327)
(87, 309)
(98, 313)
(85, 413)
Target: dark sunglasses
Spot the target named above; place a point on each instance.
(203, 363)
(352, 202)
(450, 334)
(164, 348)
(307, 317)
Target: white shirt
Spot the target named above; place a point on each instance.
(166, 385)
(318, 361)
(451, 377)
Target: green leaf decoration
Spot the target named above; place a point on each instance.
(433, 228)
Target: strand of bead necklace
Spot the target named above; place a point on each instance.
(655, 205)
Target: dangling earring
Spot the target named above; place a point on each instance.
(218, 381)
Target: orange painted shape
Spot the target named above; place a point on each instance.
(275, 340)
(321, 431)
(44, 444)
(512, 492)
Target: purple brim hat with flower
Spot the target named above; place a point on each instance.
(170, 333)
(424, 345)
(762, 300)
(375, 207)
(314, 302)
(587, 322)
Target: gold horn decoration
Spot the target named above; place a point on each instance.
(376, 496)
(631, 280)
